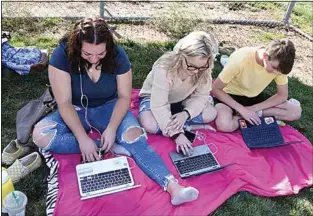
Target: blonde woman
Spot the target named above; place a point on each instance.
(175, 93)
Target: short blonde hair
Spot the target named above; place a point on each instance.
(197, 43)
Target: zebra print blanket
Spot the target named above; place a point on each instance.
(53, 186)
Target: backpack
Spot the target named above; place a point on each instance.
(22, 60)
(32, 113)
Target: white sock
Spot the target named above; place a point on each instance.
(185, 195)
(120, 150)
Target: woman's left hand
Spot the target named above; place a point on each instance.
(178, 121)
(108, 138)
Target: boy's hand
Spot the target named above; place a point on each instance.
(251, 108)
(250, 115)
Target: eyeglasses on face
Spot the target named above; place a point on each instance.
(193, 68)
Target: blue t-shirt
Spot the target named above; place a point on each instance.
(104, 90)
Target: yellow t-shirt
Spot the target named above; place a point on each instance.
(245, 77)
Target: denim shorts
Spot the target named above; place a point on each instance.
(144, 105)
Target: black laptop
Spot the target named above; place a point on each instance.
(265, 135)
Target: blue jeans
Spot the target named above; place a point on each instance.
(64, 142)
(175, 108)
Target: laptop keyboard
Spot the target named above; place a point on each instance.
(261, 135)
(196, 163)
(105, 180)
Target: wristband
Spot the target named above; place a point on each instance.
(189, 116)
(174, 137)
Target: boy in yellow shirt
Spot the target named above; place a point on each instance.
(238, 88)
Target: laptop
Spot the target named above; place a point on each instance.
(265, 135)
(201, 161)
(104, 177)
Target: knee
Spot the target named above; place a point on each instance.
(294, 114)
(209, 114)
(132, 134)
(149, 124)
(224, 126)
(40, 135)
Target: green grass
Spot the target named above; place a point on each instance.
(18, 90)
(302, 16)
(266, 37)
(43, 42)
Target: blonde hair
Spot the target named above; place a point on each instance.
(197, 43)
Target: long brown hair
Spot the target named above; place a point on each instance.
(94, 31)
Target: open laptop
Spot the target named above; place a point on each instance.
(104, 177)
(201, 161)
(265, 135)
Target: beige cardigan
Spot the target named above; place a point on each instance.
(165, 90)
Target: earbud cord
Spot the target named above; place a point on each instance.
(202, 136)
(81, 101)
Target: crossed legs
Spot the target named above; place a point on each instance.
(227, 122)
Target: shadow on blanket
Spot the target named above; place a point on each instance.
(265, 172)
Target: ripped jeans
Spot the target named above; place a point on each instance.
(64, 142)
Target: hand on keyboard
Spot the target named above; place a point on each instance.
(88, 149)
(183, 144)
(101, 154)
(249, 114)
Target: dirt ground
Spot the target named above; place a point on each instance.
(229, 35)
(236, 36)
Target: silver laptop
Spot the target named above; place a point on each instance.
(201, 161)
(104, 177)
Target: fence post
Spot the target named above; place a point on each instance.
(288, 12)
(101, 8)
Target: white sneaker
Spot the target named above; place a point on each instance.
(224, 60)
(259, 113)
(294, 101)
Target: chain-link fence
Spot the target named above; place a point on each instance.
(173, 19)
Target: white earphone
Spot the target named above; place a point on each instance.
(82, 97)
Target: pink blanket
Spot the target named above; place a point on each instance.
(264, 172)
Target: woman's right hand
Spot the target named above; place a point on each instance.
(88, 149)
(183, 144)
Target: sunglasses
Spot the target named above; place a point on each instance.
(193, 68)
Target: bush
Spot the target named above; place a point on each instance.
(174, 22)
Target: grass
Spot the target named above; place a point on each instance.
(301, 16)
(18, 90)
(174, 23)
(266, 37)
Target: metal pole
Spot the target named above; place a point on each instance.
(101, 8)
(288, 12)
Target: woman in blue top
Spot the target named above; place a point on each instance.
(91, 80)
